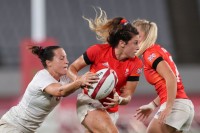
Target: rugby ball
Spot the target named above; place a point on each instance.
(107, 82)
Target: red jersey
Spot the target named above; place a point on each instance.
(101, 56)
(151, 57)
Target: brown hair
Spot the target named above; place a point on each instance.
(44, 54)
(111, 30)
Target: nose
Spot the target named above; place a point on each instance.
(67, 61)
(137, 47)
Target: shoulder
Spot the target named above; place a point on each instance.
(136, 60)
(152, 52)
(42, 73)
(100, 46)
(97, 49)
(42, 76)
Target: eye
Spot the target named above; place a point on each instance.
(62, 58)
(136, 42)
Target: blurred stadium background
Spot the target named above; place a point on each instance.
(61, 23)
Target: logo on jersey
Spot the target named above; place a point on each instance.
(105, 64)
(151, 57)
(126, 72)
(139, 71)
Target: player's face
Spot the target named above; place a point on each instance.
(59, 64)
(132, 47)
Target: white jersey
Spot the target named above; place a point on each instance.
(35, 104)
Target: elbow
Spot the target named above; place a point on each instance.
(65, 93)
(62, 93)
(59, 94)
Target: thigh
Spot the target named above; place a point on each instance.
(156, 127)
(99, 120)
(85, 104)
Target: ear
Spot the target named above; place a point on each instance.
(122, 43)
(48, 63)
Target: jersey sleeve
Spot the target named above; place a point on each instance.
(136, 72)
(46, 80)
(91, 53)
(152, 58)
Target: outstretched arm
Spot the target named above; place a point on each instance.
(56, 89)
(87, 79)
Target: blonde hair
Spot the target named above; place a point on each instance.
(150, 34)
(98, 25)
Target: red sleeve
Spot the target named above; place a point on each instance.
(152, 58)
(137, 69)
(91, 54)
(136, 72)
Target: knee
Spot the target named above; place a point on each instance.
(153, 129)
(104, 128)
(150, 130)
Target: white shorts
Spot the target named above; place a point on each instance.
(8, 128)
(181, 116)
(86, 104)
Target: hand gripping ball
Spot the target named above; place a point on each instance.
(107, 82)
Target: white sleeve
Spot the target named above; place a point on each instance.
(42, 79)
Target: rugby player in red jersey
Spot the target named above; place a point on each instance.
(118, 53)
(176, 111)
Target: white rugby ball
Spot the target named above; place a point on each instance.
(107, 82)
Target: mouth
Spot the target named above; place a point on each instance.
(65, 67)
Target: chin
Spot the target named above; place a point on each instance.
(132, 56)
(64, 72)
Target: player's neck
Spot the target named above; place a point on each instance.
(119, 55)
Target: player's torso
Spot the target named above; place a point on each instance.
(154, 78)
(151, 74)
(107, 60)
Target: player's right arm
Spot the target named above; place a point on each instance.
(58, 90)
(143, 112)
(87, 79)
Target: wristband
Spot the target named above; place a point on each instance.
(152, 105)
(155, 103)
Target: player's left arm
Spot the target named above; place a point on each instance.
(131, 84)
(171, 85)
(127, 92)
(129, 88)
(171, 82)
